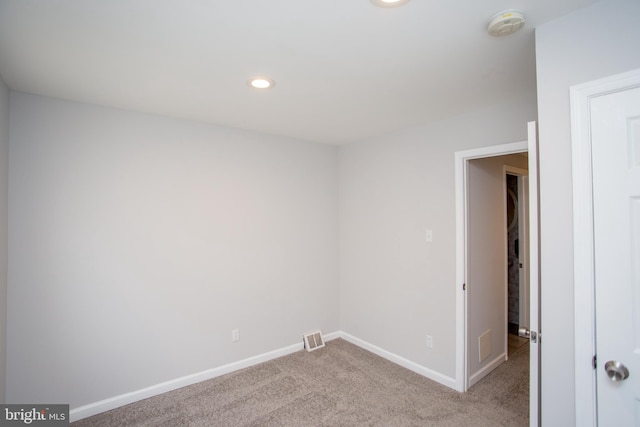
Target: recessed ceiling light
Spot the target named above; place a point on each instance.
(261, 83)
(389, 3)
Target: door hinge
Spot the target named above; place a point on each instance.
(464, 286)
(594, 361)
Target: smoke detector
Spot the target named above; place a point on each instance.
(505, 23)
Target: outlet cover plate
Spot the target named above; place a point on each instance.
(429, 341)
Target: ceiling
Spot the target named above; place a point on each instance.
(345, 70)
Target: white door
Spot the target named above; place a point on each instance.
(523, 237)
(534, 279)
(615, 127)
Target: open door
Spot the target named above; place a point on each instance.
(534, 279)
(532, 331)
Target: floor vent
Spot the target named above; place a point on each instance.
(313, 341)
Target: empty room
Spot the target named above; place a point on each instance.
(298, 213)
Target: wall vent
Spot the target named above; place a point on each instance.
(484, 345)
(313, 340)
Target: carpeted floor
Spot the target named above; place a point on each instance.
(339, 385)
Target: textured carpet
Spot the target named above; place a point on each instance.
(339, 385)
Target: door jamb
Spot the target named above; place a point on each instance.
(461, 184)
(584, 266)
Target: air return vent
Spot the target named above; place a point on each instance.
(484, 345)
(313, 340)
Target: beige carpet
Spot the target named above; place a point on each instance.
(339, 385)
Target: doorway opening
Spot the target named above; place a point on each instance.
(492, 215)
(466, 342)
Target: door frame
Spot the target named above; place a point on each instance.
(583, 241)
(462, 159)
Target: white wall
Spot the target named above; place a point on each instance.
(591, 43)
(487, 259)
(396, 288)
(137, 243)
(4, 175)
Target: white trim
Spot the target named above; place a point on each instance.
(523, 237)
(461, 161)
(505, 278)
(583, 265)
(399, 360)
(461, 262)
(486, 370)
(95, 408)
(494, 150)
(332, 336)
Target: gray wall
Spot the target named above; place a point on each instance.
(591, 43)
(137, 243)
(396, 288)
(4, 201)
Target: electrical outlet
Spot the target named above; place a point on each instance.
(235, 335)
(429, 341)
(428, 236)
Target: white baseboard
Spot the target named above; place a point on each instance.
(332, 336)
(124, 399)
(85, 411)
(487, 369)
(399, 360)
